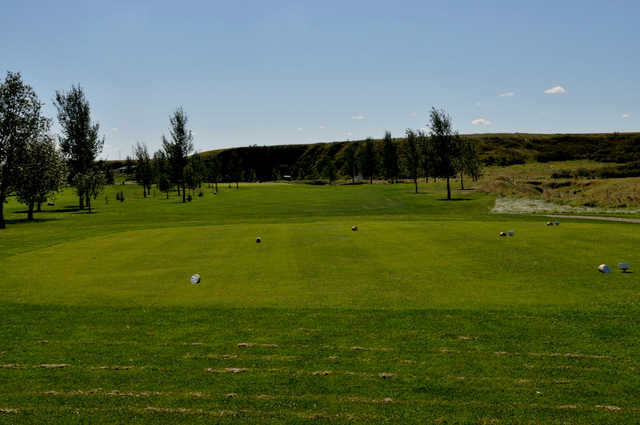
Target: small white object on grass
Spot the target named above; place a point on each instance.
(549, 223)
(603, 268)
(354, 228)
(258, 240)
(195, 279)
(624, 267)
(503, 234)
(511, 233)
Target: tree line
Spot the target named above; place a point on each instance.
(439, 152)
(32, 165)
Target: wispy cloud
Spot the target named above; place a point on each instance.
(507, 94)
(115, 129)
(300, 128)
(555, 90)
(626, 116)
(481, 121)
(358, 117)
(322, 127)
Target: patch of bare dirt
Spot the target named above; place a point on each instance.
(253, 344)
(609, 408)
(54, 365)
(233, 370)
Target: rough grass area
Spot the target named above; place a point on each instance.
(540, 182)
(424, 315)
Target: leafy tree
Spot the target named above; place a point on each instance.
(213, 169)
(235, 168)
(350, 161)
(178, 149)
(161, 172)
(91, 184)
(189, 177)
(20, 123)
(367, 159)
(446, 146)
(329, 171)
(427, 163)
(411, 154)
(468, 160)
(79, 142)
(144, 169)
(109, 178)
(42, 171)
(198, 170)
(389, 158)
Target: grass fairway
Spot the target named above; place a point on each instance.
(424, 315)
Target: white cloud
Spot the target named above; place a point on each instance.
(349, 134)
(300, 128)
(358, 117)
(626, 115)
(507, 94)
(322, 127)
(555, 90)
(481, 121)
(115, 129)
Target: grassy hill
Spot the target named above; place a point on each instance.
(495, 149)
(423, 315)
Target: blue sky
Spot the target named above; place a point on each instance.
(297, 72)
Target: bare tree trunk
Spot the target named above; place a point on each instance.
(39, 206)
(89, 202)
(371, 179)
(184, 194)
(2, 223)
(216, 186)
(144, 191)
(237, 186)
(30, 212)
(415, 181)
(461, 181)
(81, 195)
(3, 196)
(448, 189)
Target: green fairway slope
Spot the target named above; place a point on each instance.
(423, 315)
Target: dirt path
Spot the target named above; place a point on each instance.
(595, 217)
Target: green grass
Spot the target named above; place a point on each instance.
(423, 315)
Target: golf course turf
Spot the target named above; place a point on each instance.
(424, 315)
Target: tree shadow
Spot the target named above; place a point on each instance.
(455, 199)
(14, 221)
(65, 209)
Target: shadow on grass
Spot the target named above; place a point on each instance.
(13, 221)
(65, 209)
(455, 199)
